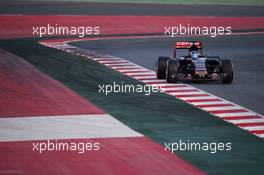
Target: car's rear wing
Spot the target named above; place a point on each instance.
(186, 45)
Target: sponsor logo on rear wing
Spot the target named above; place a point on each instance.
(187, 44)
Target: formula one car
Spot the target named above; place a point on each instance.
(194, 65)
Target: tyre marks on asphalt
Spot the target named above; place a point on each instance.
(226, 110)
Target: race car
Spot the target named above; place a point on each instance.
(194, 65)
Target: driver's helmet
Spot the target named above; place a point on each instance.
(194, 54)
(193, 48)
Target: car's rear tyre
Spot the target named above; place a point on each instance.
(161, 66)
(227, 70)
(172, 71)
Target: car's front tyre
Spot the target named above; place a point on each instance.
(172, 71)
(161, 66)
(227, 70)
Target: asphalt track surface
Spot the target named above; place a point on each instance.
(82, 8)
(246, 52)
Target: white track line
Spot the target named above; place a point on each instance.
(247, 121)
(236, 114)
(117, 61)
(100, 59)
(222, 108)
(139, 73)
(196, 98)
(133, 70)
(185, 93)
(144, 77)
(119, 64)
(63, 127)
(253, 128)
(124, 67)
(177, 88)
(209, 103)
(260, 135)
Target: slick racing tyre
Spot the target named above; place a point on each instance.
(172, 71)
(161, 66)
(227, 70)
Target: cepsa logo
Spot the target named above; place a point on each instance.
(185, 44)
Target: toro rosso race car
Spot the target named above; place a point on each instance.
(193, 66)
